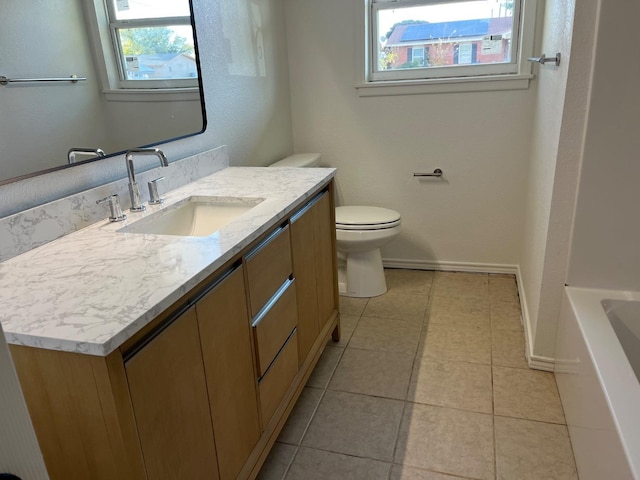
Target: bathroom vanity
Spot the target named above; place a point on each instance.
(146, 356)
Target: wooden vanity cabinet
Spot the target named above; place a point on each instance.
(228, 362)
(168, 391)
(203, 391)
(312, 242)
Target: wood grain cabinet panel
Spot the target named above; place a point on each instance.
(312, 237)
(169, 395)
(275, 383)
(268, 266)
(227, 353)
(272, 328)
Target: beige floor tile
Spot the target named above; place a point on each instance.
(527, 450)
(355, 425)
(508, 348)
(506, 316)
(352, 305)
(466, 386)
(525, 393)
(454, 343)
(387, 334)
(402, 472)
(325, 367)
(503, 288)
(463, 311)
(455, 284)
(383, 374)
(276, 464)
(347, 326)
(417, 282)
(397, 305)
(300, 416)
(312, 464)
(446, 440)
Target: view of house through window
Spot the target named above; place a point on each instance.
(431, 34)
(153, 39)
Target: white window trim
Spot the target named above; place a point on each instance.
(518, 79)
(108, 65)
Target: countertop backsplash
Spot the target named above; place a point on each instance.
(31, 228)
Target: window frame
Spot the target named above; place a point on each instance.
(503, 76)
(110, 69)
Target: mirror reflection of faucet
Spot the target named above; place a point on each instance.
(134, 191)
(88, 152)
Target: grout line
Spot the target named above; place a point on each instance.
(293, 457)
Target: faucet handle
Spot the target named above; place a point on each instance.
(114, 205)
(154, 197)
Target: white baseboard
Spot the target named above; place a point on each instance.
(450, 266)
(535, 361)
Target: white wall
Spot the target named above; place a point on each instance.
(480, 140)
(561, 114)
(62, 112)
(246, 110)
(606, 238)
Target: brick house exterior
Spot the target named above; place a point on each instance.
(448, 43)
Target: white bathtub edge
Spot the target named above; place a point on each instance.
(617, 380)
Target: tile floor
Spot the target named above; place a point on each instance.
(429, 382)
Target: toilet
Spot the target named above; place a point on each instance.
(360, 233)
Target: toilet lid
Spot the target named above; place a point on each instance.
(366, 218)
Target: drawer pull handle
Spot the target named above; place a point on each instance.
(276, 296)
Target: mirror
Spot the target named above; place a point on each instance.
(41, 121)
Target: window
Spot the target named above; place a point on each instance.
(415, 57)
(144, 45)
(153, 41)
(444, 40)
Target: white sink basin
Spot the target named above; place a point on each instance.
(196, 216)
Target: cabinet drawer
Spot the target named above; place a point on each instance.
(274, 384)
(268, 266)
(274, 324)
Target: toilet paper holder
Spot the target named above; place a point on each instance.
(436, 173)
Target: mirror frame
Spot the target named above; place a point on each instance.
(160, 142)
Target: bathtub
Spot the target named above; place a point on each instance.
(598, 380)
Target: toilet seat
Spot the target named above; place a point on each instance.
(366, 218)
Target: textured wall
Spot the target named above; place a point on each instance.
(480, 140)
(606, 236)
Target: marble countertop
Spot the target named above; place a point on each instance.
(91, 290)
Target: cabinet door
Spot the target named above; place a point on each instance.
(313, 267)
(169, 396)
(325, 257)
(226, 347)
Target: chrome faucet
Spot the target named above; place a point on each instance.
(73, 152)
(134, 191)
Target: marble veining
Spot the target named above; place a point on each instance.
(26, 230)
(91, 290)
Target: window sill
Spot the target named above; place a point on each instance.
(153, 95)
(444, 85)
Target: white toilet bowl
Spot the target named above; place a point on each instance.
(360, 232)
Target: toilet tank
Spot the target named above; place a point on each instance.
(299, 160)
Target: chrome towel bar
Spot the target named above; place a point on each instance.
(436, 173)
(73, 79)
